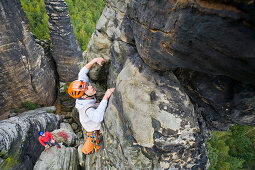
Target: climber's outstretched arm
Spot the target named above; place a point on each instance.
(84, 71)
(98, 60)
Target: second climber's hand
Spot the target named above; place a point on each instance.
(108, 93)
(100, 61)
(52, 141)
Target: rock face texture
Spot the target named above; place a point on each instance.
(214, 37)
(66, 50)
(150, 122)
(56, 159)
(20, 147)
(221, 100)
(25, 71)
(159, 119)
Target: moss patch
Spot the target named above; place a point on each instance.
(10, 161)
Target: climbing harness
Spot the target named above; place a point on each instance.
(94, 137)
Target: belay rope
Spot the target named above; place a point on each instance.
(66, 148)
(95, 137)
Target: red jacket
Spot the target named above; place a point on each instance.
(48, 136)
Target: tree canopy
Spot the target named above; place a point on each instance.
(233, 149)
(84, 16)
(38, 19)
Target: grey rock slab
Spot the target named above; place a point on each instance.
(54, 158)
(65, 134)
(150, 122)
(19, 145)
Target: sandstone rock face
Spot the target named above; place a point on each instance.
(108, 28)
(222, 101)
(25, 71)
(56, 159)
(150, 122)
(214, 37)
(20, 147)
(66, 50)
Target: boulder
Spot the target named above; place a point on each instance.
(65, 135)
(55, 159)
(20, 147)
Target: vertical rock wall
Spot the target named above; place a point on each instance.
(66, 50)
(25, 72)
(150, 122)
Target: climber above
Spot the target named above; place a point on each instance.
(91, 114)
(46, 139)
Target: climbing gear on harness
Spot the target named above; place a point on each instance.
(92, 143)
(40, 133)
(77, 88)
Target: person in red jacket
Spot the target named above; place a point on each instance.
(46, 139)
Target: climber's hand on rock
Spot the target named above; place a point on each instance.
(100, 61)
(52, 141)
(47, 146)
(108, 93)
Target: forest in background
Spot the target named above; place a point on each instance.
(233, 149)
(84, 16)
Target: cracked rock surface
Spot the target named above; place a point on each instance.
(159, 119)
(66, 51)
(25, 73)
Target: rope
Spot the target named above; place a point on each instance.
(95, 134)
(66, 148)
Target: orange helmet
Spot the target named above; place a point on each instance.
(77, 88)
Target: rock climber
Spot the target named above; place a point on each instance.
(91, 114)
(47, 140)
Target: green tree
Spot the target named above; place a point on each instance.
(38, 19)
(234, 149)
(84, 16)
